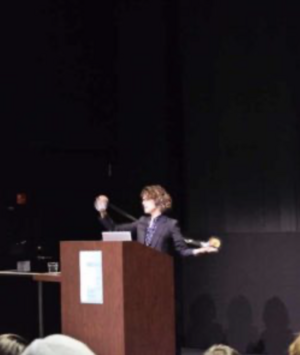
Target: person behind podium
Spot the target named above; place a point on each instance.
(155, 230)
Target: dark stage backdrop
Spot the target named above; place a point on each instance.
(202, 97)
(91, 105)
(57, 109)
(242, 173)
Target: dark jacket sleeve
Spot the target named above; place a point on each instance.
(180, 245)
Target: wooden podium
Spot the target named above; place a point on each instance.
(137, 316)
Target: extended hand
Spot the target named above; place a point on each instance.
(101, 203)
(214, 242)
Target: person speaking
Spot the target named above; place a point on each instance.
(155, 230)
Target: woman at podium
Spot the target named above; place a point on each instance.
(155, 230)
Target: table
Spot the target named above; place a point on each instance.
(39, 278)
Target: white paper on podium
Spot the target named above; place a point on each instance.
(91, 277)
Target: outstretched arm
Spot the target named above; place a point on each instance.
(182, 248)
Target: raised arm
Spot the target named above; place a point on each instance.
(101, 204)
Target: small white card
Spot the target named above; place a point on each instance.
(24, 266)
(91, 277)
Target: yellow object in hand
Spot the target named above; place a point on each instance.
(214, 242)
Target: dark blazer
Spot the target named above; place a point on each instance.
(167, 237)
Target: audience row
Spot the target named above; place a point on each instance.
(12, 344)
(58, 344)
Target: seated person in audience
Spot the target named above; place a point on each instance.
(221, 350)
(294, 348)
(57, 344)
(12, 344)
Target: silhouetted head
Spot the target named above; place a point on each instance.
(57, 344)
(221, 350)
(12, 344)
(294, 348)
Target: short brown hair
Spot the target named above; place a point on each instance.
(161, 197)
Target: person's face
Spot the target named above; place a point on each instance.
(149, 205)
